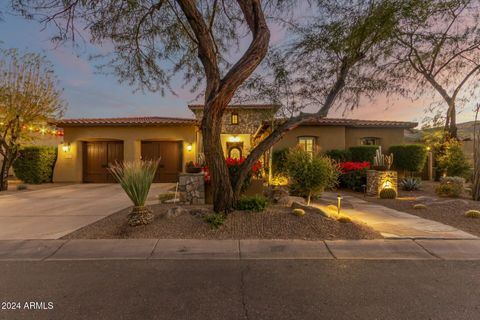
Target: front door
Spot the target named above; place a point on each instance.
(170, 155)
(96, 158)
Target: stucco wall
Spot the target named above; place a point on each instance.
(388, 136)
(69, 165)
(327, 137)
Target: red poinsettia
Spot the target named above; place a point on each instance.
(233, 166)
(351, 166)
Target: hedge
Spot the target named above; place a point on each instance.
(279, 160)
(363, 153)
(35, 164)
(339, 155)
(409, 157)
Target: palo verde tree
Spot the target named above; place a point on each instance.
(28, 96)
(439, 50)
(153, 40)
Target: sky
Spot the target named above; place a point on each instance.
(90, 94)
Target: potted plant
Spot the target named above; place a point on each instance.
(192, 167)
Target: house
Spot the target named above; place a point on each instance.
(91, 144)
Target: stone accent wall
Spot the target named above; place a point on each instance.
(191, 187)
(375, 179)
(248, 120)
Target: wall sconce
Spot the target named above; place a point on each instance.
(189, 147)
(66, 147)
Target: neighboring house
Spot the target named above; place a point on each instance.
(91, 144)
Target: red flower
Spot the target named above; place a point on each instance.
(351, 166)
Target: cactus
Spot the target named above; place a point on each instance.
(382, 160)
(388, 193)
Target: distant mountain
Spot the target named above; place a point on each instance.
(465, 132)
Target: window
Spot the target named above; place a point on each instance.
(370, 141)
(307, 144)
(234, 118)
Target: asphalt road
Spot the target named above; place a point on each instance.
(228, 290)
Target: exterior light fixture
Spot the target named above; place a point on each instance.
(428, 148)
(234, 139)
(66, 147)
(339, 203)
(189, 147)
(387, 184)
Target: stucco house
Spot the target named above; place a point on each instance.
(91, 144)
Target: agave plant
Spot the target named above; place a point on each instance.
(136, 177)
(410, 183)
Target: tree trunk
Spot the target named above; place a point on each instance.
(6, 163)
(223, 196)
(451, 121)
(476, 159)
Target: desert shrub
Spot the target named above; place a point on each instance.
(363, 153)
(310, 175)
(450, 187)
(419, 206)
(410, 183)
(409, 157)
(453, 162)
(21, 187)
(35, 164)
(472, 214)
(388, 193)
(255, 203)
(298, 212)
(279, 160)
(215, 220)
(344, 219)
(354, 175)
(339, 155)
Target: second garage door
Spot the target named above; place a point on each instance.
(170, 154)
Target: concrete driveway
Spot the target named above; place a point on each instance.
(55, 212)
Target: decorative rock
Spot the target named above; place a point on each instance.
(140, 216)
(174, 212)
(200, 213)
(191, 187)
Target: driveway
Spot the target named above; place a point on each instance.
(55, 212)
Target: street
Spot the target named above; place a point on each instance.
(266, 289)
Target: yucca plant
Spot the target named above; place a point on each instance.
(136, 177)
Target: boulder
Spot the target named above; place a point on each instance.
(175, 212)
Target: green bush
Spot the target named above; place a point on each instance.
(35, 164)
(450, 187)
(409, 157)
(453, 161)
(339, 155)
(255, 203)
(311, 175)
(279, 159)
(215, 220)
(354, 179)
(363, 153)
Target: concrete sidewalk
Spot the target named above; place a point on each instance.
(392, 223)
(176, 249)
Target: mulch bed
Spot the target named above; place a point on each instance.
(276, 222)
(449, 211)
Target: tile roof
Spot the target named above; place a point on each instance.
(128, 121)
(238, 106)
(362, 123)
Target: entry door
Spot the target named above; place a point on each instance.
(170, 155)
(96, 158)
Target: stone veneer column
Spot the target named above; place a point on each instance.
(375, 180)
(191, 187)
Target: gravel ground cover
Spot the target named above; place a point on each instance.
(277, 222)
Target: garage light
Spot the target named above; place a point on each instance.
(66, 147)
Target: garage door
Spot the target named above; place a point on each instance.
(170, 155)
(96, 158)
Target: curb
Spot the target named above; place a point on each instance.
(251, 249)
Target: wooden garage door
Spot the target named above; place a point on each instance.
(96, 158)
(170, 154)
